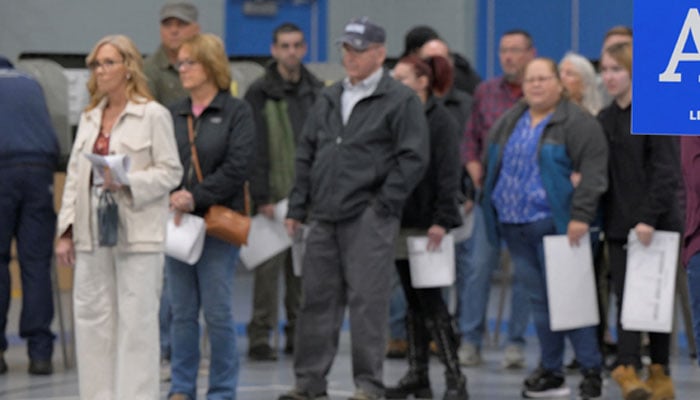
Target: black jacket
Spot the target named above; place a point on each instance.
(434, 200)
(298, 99)
(466, 78)
(377, 158)
(225, 141)
(644, 179)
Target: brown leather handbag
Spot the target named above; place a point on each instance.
(222, 222)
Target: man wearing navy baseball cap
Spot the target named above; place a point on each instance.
(363, 149)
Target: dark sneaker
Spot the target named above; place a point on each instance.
(545, 384)
(40, 367)
(591, 386)
(262, 352)
(3, 364)
(298, 394)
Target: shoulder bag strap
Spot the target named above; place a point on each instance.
(193, 149)
(198, 170)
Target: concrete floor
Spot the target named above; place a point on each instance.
(266, 380)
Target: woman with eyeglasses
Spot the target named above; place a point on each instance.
(116, 291)
(533, 149)
(221, 128)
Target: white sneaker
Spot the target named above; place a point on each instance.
(165, 370)
(513, 357)
(469, 355)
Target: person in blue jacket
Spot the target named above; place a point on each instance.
(534, 151)
(29, 154)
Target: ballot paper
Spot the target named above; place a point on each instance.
(647, 303)
(118, 164)
(434, 268)
(464, 231)
(267, 238)
(571, 287)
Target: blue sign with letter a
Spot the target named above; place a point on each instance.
(666, 68)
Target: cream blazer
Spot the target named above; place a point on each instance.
(143, 131)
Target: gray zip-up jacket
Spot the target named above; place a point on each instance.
(376, 159)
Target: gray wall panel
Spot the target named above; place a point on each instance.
(73, 26)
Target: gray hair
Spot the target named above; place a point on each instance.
(592, 100)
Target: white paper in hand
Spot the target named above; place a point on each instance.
(267, 238)
(431, 268)
(571, 287)
(118, 164)
(185, 242)
(650, 282)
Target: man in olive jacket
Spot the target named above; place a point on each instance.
(281, 100)
(363, 149)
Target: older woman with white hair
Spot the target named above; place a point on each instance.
(579, 79)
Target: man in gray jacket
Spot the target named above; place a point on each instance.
(363, 149)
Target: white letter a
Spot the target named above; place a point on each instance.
(690, 26)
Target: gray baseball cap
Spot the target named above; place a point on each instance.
(360, 32)
(181, 10)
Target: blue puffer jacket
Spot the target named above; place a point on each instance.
(573, 140)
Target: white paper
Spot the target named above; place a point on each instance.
(464, 232)
(118, 164)
(431, 268)
(267, 238)
(571, 286)
(647, 303)
(186, 241)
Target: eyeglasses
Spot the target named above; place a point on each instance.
(512, 50)
(185, 64)
(106, 64)
(538, 79)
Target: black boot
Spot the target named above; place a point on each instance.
(442, 330)
(416, 381)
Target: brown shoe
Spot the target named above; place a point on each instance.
(396, 348)
(178, 396)
(660, 383)
(632, 387)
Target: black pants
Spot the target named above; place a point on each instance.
(425, 302)
(629, 342)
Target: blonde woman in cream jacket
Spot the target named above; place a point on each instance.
(117, 289)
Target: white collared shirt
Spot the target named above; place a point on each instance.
(352, 94)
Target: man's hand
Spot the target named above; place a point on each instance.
(476, 172)
(65, 252)
(267, 210)
(292, 226)
(575, 178)
(644, 233)
(575, 231)
(435, 235)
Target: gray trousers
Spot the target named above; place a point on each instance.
(266, 299)
(350, 264)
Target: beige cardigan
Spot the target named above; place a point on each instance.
(144, 131)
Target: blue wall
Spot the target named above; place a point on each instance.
(551, 25)
(252, 35)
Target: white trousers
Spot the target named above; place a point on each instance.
(116, 296)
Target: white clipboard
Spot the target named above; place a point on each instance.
(571, 286)
(650, 283)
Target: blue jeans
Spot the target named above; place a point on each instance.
(694, 289)
(476, 259)
(397, 309)
(208, 284)
(27, 213)
(526, 248)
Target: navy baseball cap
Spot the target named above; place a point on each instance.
(360, 32)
